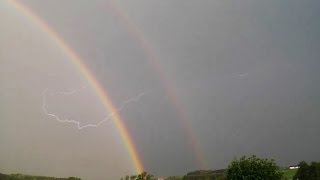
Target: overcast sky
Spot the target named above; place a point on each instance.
(243, 78)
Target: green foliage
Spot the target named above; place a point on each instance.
(142, 176)
(73, 178)
(308, 172)
(253, 168)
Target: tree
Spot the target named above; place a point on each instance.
(315, 170)
(253, 168)
(302, 172)
(73, 178)
(142, 176)
(308, 172)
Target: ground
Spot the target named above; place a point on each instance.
(289, 173)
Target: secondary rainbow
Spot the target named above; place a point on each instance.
(90, 78)
(154, 61)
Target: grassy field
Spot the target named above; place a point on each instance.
(289, 173)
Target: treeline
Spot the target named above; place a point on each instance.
(141, 176)
(246, 168)
(205, 174)
(29, 177)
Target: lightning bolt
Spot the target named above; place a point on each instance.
(106, 119)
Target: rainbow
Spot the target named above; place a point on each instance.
(90, 78)
(154, 62)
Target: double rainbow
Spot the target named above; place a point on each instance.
(135, 33)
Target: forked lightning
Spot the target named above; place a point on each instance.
(106, 119)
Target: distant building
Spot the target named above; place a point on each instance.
(293, 167)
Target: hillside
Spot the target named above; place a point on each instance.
(30, 177)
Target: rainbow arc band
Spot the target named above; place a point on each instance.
(154, 61)
(76, 60)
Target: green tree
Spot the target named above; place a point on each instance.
(144, 176)
(302, 172)
(315, 170)
(73, 178)
(308, 172)
(127, 177)
(253, 168)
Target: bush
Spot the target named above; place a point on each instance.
(253, 168)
